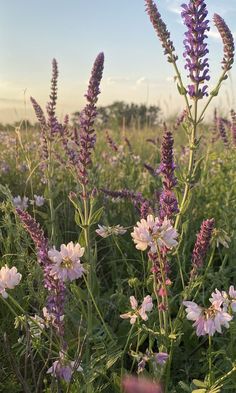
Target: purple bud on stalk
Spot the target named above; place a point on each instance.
(168, 202)
(228, 42)
(51, 106)
(233, 126)
(222, 131)
(87, 118)
(194, 15)
(161, 30)
(201, 245)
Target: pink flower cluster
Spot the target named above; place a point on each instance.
(66, 262)
(208, 321)
(9, 278)
(154, 233)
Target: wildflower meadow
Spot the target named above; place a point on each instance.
(118, 246)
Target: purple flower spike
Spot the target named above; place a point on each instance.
(87, 119)
(222, 131)
(51, 106)
(228, 42)
(194, 15)
(233, 126)
(161, 30)
(168, 202)
(56, 288)
(201, 245)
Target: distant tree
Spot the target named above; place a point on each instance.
(120, 114)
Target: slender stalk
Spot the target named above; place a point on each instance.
(210, 359)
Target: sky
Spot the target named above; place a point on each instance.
(33, 32)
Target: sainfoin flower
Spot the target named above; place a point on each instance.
(194, 15)
(207, 321)
(228, 41)
(63, 368)
(105, 231)
(9, 279)
(154, 233)
(20, 203)
(66, 262)
(137, 312)
(226, 299)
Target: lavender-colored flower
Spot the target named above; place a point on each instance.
(39, 200)
(21, 203)
(63, 368)
(168, 201)
(233, 126)
(43, 135)
(180, 119)
(161, 30)
(88, 115)
(161, 357)
(55, 287)
(51, 106)
(201, 245)
(111, 142)
(228, 42)
(222, 131)
(194, 15)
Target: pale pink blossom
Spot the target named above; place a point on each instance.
(63, 368)
(226, 300)
(137, 312)
(207, 321)
(9, 278)
(154, 233)
(66, 262)
(105, 231)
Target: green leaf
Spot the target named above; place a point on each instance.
(199, 384)
(184, 387)
(96, 216)
(181, 90)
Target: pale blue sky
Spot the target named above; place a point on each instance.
(74, 32)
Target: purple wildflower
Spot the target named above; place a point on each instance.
(201, 245)
(222, 131)
(43, 135)
(180, 119)
(168, 202)
(87, 118)
(194, 15)
(233, 126)
(55, 287)
(215, 127)
(51, 106)
(161, 30)
(228, 42)
(111, 142)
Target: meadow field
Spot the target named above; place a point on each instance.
(118, 242)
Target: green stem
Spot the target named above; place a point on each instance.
(210, 360)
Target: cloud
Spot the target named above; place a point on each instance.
(118, 79)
